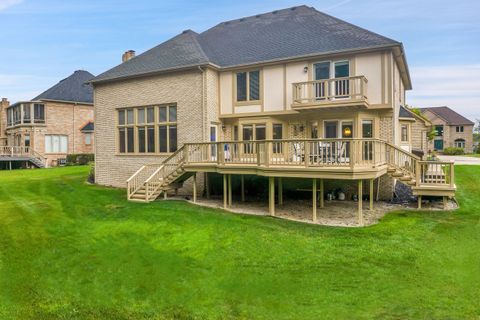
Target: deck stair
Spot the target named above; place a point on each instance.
(20, 153)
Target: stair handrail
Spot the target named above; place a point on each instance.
(135, 181)
(150, 188)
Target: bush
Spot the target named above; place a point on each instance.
(453, 151)
(91, 175)
(80, 158)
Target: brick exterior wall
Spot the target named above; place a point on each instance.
(185, 89)
(418, 137)
(61, 118)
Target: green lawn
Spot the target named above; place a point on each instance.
(69, 250)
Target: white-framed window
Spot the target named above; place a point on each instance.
(459, 129)
(460, 143)
(404, 133)
(248, 86)
(55, 143)
(88, 138)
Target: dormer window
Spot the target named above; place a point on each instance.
(248, 86)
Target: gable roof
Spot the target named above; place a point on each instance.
(88, 127)
(451, 117)
(72, 88)
(283, 34)
(404, 113)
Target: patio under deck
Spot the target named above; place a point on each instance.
(315, 159)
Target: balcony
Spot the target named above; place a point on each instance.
(25, 113)
(337, 92)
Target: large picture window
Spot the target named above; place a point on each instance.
(56, 143)
(248, 86)
(150, 129)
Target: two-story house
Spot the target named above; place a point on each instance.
(289, 93)
(57, 122)
(452, 129)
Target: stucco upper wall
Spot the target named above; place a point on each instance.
(276, 83)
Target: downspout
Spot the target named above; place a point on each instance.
(204, 118)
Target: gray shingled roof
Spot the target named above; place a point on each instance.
(288, 33)
(88, 127)
(73, 88)
(404, 113)
(450, 116)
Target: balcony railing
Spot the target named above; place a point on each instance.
(330, 92)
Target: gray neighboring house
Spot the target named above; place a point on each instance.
(453, 129)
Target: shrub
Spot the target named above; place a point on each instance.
(453, 151)
(91, 175)
(80, 158)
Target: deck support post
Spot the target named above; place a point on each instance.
(225, 191)
(322, 196)
(370, 194)
(314, 200)
(280, 191)
(445, 202)
(229, 190)
(419, 202)
(242, 187)
(165, 195)
(360, 202)
(207, 185)
(194, 187)
(271, 195)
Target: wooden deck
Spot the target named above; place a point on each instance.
(14, 153)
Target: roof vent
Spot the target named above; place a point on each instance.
(258, 16)
(228, 22)
(293, 8)
(185, 31)
(275, 12)
(243, 19)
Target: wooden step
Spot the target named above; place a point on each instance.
(405, 178)
(397, 174)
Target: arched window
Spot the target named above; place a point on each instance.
(460, 143)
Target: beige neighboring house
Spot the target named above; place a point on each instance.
(293, 93)
(452, 129)
(43, 131)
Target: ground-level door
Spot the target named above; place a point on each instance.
(438, 145)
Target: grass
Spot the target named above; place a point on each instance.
(69, 250)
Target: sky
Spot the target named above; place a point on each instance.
(44, 41)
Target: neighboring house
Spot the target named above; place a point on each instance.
(290, 93)
(57, 122)
(452, 129)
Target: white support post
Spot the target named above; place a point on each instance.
(419, 202)
(360, 202)
(370, 194)
(229, 190)
(225, 191)
(271, 195)
(280, 191)
(242, 187)
(195, 187)
(314, 200)
(322, 196)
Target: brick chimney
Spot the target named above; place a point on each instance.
(4, 104)
(128, 55)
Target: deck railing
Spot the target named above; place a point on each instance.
(320, 92)
(9, 151)
(287, 153)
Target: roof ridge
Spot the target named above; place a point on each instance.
(259, 15)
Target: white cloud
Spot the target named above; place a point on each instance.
(456, 86)
(5, 4)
